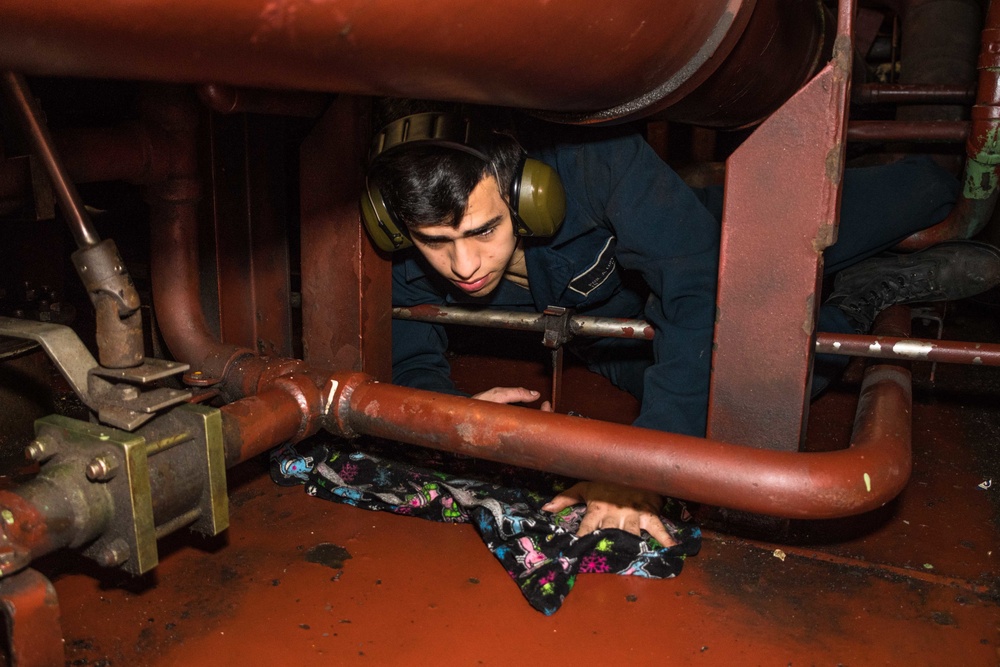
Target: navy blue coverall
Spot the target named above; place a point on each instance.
(637, 242)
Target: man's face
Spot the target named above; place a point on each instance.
(474, 255)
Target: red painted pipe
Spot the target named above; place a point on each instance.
(779, 483)
(255, 424)
(614, 62)
(171, 113)
(454, 49)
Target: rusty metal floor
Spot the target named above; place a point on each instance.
(912, 584)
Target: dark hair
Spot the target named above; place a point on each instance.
(430, 185)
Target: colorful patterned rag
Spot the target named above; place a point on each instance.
(539, 550)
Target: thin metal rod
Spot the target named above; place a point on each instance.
(579, 325)
(872, 93)
(557, 369)
(850, 345)
(938, 131)
(41, 143)
(886, 347)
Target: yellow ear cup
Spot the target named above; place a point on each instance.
(541, 199)
(383, 231)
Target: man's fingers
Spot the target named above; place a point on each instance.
(590, 523)
(562, 501)
(632, 524)
(507, 395)
(652, 525)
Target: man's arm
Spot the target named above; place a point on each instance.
(665, 233)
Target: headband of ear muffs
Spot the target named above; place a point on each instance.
(535, 195)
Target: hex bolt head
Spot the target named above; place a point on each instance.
(114, 553)
(102, 469)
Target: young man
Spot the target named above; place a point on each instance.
(635, 241)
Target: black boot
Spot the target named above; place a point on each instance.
(945, 272)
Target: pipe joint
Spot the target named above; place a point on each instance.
(307, 396)
(337, 395)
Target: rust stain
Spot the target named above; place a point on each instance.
(809, 324)
(834, 163)
(826, 236)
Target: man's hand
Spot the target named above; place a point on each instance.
(614, 506)
(512, 395)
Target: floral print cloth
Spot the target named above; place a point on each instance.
(539, 550)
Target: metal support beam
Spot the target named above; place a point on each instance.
(782, 200)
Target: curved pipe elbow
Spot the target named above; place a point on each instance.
(864, 477)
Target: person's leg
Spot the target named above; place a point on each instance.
(884, 204)
(880, 206)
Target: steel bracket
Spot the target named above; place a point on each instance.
(122, 405)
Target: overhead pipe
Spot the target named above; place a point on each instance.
(618, 62)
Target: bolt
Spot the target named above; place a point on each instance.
(102, 469)
(113, 553)
(38, 451)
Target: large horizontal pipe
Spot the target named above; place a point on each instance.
(613, 62)
(607, 55)
(779, 483)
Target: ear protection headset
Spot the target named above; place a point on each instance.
(535, 195)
